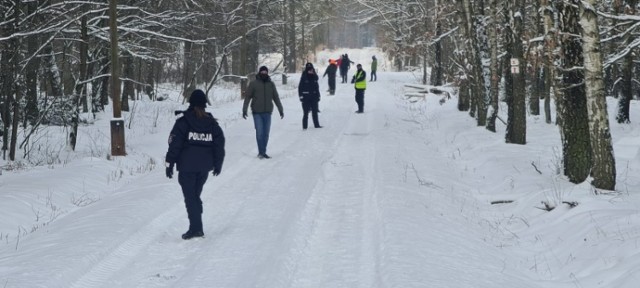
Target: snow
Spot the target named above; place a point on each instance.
(399, 196)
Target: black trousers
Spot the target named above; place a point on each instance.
(374, 76)
(360, 99)
(332, 84)
(191, 183)
(343, 75)
(310, 106)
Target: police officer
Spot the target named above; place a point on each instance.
(196, 146)
(309, 94)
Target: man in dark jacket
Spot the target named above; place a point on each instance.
(262, 94)
(309, 93)
(331, 71)
(196, 145)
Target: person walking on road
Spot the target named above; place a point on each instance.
(309, 93)
(374, 68)
(345, 65)
(360, 84)
(331, 71)
(261, 94)
(196, 146)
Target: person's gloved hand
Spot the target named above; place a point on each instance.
(244, 115)
(216, 171)
(169, 171)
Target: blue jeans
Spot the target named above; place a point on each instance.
(262, 122)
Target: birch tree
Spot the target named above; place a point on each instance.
(603, 170)
(572, 111)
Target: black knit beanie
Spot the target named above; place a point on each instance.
(198, 98)
(263, 68)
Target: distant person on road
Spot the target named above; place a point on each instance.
(309, 93)
(345, 65)
(331, 71)
(374, 68)
(360, 84)
(196, 146)
(342, 71)
(261, 94)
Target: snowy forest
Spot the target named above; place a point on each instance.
(60, 58)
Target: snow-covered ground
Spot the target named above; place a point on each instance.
(399, 196)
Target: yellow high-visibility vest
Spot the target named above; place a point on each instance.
(362, 84)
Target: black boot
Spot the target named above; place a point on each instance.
(192, 234)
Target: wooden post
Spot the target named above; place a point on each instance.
(117, 124)
(284, 79)
(117, 138)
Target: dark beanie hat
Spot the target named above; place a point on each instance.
(263, 68)
(308, 65)
(198, 98)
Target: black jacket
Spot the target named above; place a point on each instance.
(331, 70)
(345, 64)
(196, 145)
(308, 89)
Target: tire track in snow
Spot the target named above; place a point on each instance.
(104, 268)
(344, 248)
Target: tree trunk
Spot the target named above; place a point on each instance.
(32, 112)
(437, 69)
(549, 67)
(52, 72)
(574, 122)
(495, 76)
(463, 95)
(292, 37)
(80, 86)
(537, 83)
(627, 72)
(477, 80)
(128, 89)
(603, 170)
(6, 76)
(18, 79)
(517, 122)
(187, 70)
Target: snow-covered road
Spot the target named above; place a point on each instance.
(365, 201)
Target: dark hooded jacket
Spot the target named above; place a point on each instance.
(196, 144)
(331, 70)
(308, 88)
(262, 94)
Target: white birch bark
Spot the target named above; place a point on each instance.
(603, 170)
